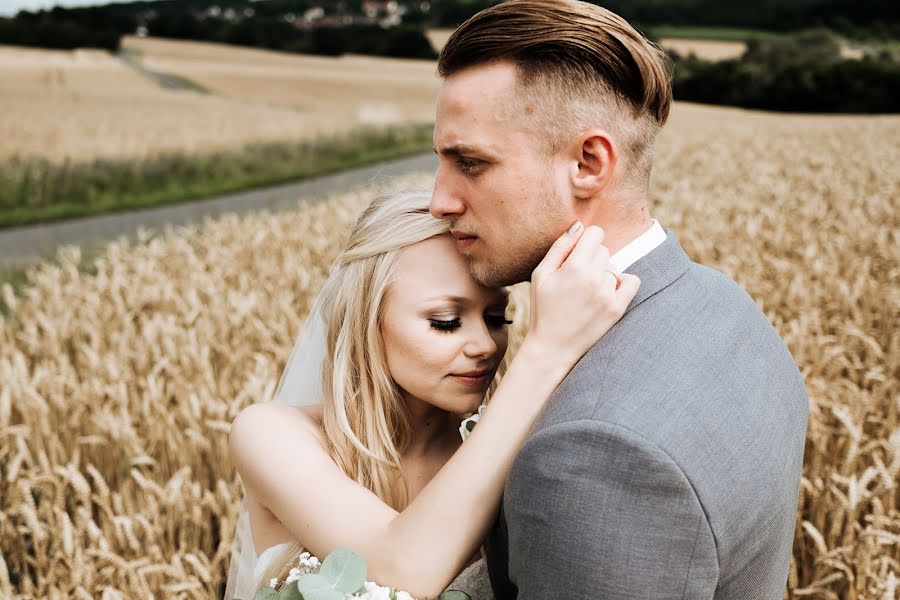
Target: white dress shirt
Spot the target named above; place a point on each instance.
(639, 247)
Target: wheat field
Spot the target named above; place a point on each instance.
(119, 376)
(350, 89)
(82, 105)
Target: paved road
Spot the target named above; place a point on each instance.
(24, 245)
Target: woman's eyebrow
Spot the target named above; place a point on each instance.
(449, 298)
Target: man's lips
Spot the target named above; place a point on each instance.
(462, 235)
(463, 240)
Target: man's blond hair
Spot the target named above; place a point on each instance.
(579, 66)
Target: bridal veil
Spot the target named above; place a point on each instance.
(300, 385)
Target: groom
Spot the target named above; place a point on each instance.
(668, 462)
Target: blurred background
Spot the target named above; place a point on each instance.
(149, 290)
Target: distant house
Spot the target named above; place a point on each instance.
(373, 9)
(314, 14)
(386, 14)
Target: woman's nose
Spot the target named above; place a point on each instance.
(480, 343)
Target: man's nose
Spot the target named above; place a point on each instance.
(445, 201)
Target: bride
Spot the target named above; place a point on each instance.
(362, 446)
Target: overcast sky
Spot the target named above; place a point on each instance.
(11, 7)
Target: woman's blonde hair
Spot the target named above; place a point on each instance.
(365, 419)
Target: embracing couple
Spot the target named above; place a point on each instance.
(646, 440)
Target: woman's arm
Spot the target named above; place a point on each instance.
(422, 548)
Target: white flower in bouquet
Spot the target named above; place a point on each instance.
(466, 427)
(374, 592)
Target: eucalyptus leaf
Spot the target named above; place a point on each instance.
(266, 593)
(317, 587)
(290, 591)
(454, 595)
(345, 570)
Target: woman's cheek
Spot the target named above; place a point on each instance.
(437, 356)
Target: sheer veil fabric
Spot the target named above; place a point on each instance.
(300, 385)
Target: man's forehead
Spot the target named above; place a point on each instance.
(462, 136)
(477, 105)
(479, 86)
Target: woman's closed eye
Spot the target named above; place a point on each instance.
(449, 325)
(445, 325)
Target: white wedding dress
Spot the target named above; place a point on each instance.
(474, 581)
(267, 556)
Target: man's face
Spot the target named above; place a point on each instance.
(504, 197)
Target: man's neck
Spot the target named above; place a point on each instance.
(620, 234)
(624, 216)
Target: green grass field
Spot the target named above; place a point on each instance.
(39, 191)
(732, 34)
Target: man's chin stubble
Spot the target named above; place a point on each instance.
(491, 275)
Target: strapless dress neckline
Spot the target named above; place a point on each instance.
(266, 557)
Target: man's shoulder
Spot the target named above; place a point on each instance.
(702, 283)
(696, 354)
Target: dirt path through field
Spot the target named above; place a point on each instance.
(22, 246)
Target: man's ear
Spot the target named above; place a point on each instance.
(593, 157)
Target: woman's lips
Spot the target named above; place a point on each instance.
(473, 380)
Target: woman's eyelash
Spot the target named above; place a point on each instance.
(454, 324)
(444, 325)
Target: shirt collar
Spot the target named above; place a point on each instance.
(639, 247)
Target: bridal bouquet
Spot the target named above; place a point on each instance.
(341, 576)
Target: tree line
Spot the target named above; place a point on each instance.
(803, 72)
(264, 27)
(860, 18)
(100, 26)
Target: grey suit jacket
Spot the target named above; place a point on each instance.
(667, 464)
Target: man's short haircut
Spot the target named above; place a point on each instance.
(579, 64)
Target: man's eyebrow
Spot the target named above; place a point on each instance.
(461, 149)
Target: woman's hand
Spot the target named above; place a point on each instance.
(576, 295)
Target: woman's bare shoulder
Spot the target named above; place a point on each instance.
(302, 424)
(312, 417)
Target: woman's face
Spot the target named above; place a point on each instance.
(444, 333)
